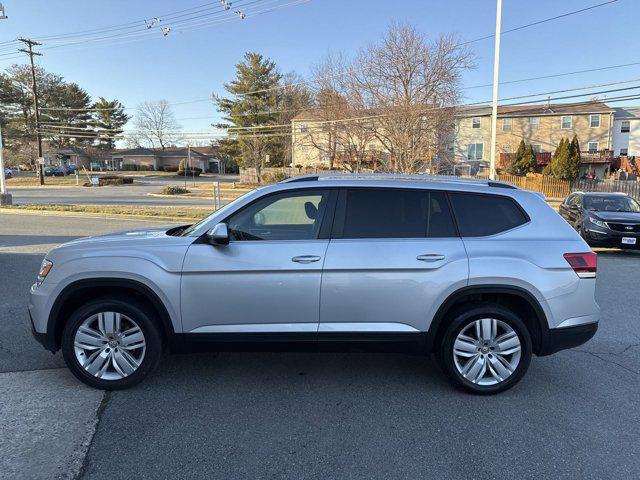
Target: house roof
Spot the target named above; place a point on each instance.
(159, 153)
(71, 151)
(627, 112)
(538, 110)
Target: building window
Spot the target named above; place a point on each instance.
(534, 123)
(594, 121)
(304, 129)
(624, 152)
(537, 148)
(625, 126)
(506, 124)
(593, 147)
(475, 122)
(372, 147)
(475, 151)
(566, 122)
(506, 148)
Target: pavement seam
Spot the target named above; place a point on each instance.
(607, 360)
(86, 446)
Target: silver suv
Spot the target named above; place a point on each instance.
(479, 273)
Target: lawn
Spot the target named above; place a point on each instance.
(171, 213)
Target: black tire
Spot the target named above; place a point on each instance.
(134, 310)
(459, 320)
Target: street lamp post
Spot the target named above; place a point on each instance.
(5, 198)
(494, 109)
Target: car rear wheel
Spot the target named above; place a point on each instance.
(111, 344)
(486, 349)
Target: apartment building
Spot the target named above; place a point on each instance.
(626, 131)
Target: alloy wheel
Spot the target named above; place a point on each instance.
(109, 345)
(487, 351)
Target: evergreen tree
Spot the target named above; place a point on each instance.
(523, 161)
(259, 76)
(71, 118)
(562, 165)
(108, 117)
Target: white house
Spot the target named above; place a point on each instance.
(626, 131)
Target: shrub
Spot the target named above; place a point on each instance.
(274, 177)
(175, 190)
(114, 180)
(169, 168)
(190, 172)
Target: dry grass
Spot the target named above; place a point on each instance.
(68, 181)
(181, 213)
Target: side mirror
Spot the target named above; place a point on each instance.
(573, 207)
(218, 235)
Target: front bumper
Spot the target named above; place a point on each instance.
(42, 338)
(558, 339)
(600, 237)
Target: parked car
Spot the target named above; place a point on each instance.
(8, 173)
(70, 169)
(53, 171)
(479, 273)
(604, 219)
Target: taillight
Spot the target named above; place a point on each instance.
(584, 264)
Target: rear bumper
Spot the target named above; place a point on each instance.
(568, 337)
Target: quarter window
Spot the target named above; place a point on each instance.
(594, 121)
(566, 121)
(287, 216)
(393, 213)
(481, 215)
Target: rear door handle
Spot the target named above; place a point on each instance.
(430, 257)
(305, 259)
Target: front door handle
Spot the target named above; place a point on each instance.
(430, 257)
(305, 259)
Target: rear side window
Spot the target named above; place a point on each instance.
(482, 215)
(388, 213)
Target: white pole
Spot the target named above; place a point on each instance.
(494, 109)
(3, 182)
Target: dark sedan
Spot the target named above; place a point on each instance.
(53, 171)
(604, 219)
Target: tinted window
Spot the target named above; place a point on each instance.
(481, 215)
(381, 213)
(287, 216)
(611, 204)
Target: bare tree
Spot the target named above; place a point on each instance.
(155, 125)
(411, 84)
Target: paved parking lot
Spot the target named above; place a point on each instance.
(264, 415)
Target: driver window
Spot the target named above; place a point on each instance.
(286, 216)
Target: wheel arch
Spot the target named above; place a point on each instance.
(523, 302)
(73, 295)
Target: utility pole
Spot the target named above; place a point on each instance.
(5, 198)
(494, 109)
(34, 88)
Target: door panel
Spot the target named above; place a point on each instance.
(242, 285)
(382, 281)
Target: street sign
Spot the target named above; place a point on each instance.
(95, 181)
(40, 161)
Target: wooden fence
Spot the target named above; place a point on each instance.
(549, 186)
(630, 187)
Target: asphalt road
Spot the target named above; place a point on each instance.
(247, 415)
(136, 194)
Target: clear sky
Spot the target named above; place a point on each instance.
(190, 63)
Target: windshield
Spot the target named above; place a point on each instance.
(187, 231)
(611, 204)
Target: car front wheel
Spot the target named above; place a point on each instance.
(486, 349)
(111, 344)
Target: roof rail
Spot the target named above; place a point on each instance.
(394, 176)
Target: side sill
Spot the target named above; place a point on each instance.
(410, 343)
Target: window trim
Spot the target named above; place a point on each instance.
(534, 125)
(511, 199)
(475, 144)
(473, 120)
(570, 117)
(507, 124)
(589, 148)
(324, 232)
(591, 117)
(339, 214)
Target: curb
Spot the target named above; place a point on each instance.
(106, 216)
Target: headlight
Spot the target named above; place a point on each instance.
(45, 268)
(598, 222)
